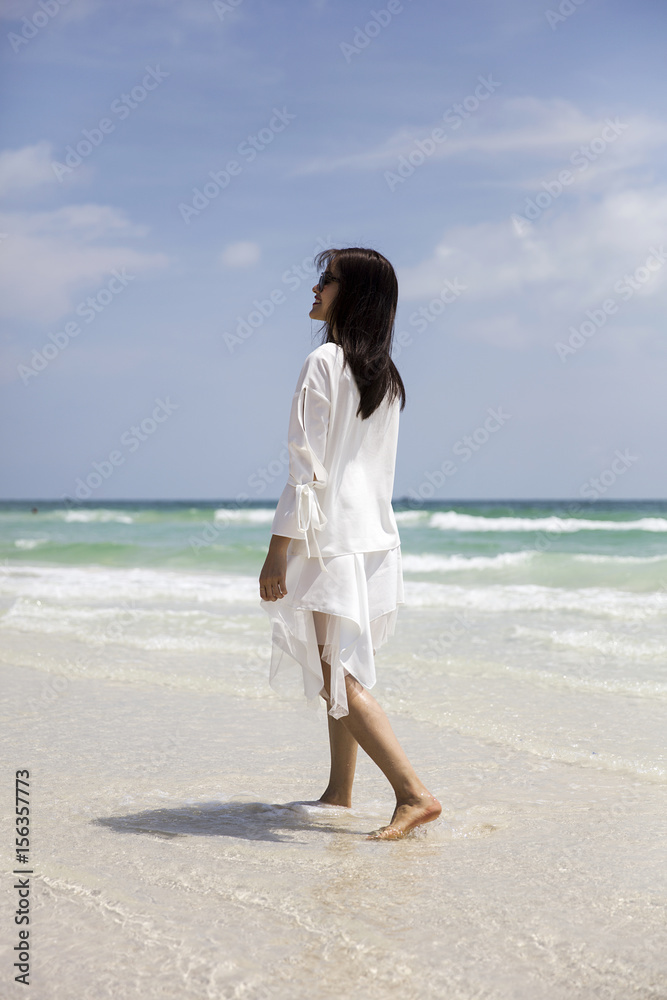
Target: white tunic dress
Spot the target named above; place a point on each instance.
(344, 559)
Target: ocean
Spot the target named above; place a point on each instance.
(173, 849)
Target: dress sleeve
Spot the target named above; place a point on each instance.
(298, 514)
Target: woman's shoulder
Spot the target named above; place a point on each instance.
(328, 351)
(321, 369)
(324, 358)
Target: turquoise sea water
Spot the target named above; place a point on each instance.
(527, 679)
(545, 537)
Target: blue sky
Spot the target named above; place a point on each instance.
(168, 171)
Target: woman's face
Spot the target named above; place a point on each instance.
(321, 305)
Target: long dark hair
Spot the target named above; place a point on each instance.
(363, 314)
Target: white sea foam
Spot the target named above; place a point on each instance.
(562, 681)
(29, 543)
(411, 516)
(111, 584)
(494, 598)
(614, 644)
(256, 515)
(99, 515)
(591, 558)
(105, 584)
(452, 521)
(425, 563)
(138, 628)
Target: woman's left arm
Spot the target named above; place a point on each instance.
(298, 513)
(272, 585)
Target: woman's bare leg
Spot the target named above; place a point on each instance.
(369, 726)
(343, 747)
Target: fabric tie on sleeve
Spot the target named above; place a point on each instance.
(310, 517)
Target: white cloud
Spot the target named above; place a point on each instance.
(29, 167)
(50, 258)
(551, 129)
(88, 221)
(563, 264)
(242, 254)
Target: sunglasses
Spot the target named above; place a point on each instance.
(325, 278)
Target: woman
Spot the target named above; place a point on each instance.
(334, 560)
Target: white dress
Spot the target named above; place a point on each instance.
(344, 559)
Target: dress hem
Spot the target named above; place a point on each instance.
(360, 597)
(382, 629)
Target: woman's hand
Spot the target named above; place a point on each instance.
(272, 584)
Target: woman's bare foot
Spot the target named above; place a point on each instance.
(328, 799)
(334, 800)
(423, 808)
(320, 802)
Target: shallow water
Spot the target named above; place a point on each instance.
(173, 853)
